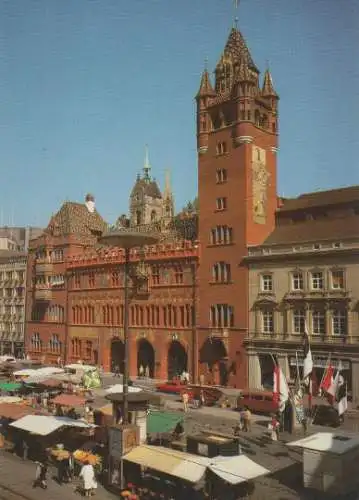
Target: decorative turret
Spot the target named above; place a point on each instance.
(168, 198)
(268, 87)
(205, 88)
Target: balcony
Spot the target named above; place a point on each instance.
(43, 294)
(43, 267)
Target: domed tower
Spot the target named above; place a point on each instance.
(146, 199)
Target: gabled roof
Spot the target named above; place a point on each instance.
(237, 49)
(75, 218)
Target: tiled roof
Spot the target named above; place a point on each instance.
(75, 218)
(205, 88)
(315, 231)
(150, 188)
(237, 49)
(321, 199)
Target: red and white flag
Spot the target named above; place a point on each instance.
(328, 380)
(280, 388)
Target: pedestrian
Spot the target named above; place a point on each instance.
(88, 476)
(25, 450)
(274, 428)
(40, 475)
(141, 371)
(246, 419)
(45, 398)
(201, 379)
(185, 399)
(147, 371)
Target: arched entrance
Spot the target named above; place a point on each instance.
(214, 353)
(177, 360)
(145, 357)
(117, 355)
(267, 367)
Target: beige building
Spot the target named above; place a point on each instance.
(306, 274)
(12, 302)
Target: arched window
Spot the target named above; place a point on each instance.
(257, 118)
(54, 343)
(153, 215)
(36, 343)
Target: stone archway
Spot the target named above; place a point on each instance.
(145, 357)
(177, 359)
(214, 354)
(117, 355)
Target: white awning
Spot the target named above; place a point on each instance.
(118, 388)
(43, 425)
(236, 470)
(329, 442)
(174, 463)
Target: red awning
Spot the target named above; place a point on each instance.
(69, 400)
(14, 411)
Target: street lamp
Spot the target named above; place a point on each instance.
(127, 238)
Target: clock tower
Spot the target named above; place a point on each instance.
(237, 139)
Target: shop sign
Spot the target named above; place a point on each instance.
(319, 362)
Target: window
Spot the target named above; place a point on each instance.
(178, 275)
(36, 343)
(337, 279)
(299, 321)
(267, 321)
(267, 283)
(54, 344)
(115, 279)
(91, 279)
(339, 322)
(221, 272)
(221, 235)
(221, 316)
(318, 322)
(77, 281)
(316, 246)
(317, 281)
(76, 347)
(297, 281)
(155, 275)
(221, 203)
(88, 349)
(221, 175)
(221, 148)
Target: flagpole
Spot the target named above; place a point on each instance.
(298, 373)
(326, 368)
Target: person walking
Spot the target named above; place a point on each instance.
(246, 419)
(88, 476)
(141, 371)
(40, 475)
(185, 399)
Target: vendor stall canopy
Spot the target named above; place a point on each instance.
(161, 421)
(191, 468)
(118, 388)
(336, 443)
(10, 386)
(43, 426)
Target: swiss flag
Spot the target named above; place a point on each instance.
(328, 379)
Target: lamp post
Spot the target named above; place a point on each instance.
(126, 238)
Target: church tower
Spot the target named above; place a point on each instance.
(237, 137)
(146, 198)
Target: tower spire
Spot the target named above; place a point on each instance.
(146, 165)
(236, 7)
(167, 190)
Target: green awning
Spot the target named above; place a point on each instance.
(162, 421)
(9, 386)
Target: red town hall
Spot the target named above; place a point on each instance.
(192, 311)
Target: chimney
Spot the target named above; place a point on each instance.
(90, 203)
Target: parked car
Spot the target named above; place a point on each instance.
(258, 401)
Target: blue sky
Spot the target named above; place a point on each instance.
(85, 84)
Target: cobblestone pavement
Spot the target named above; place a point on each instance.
(17, 476)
